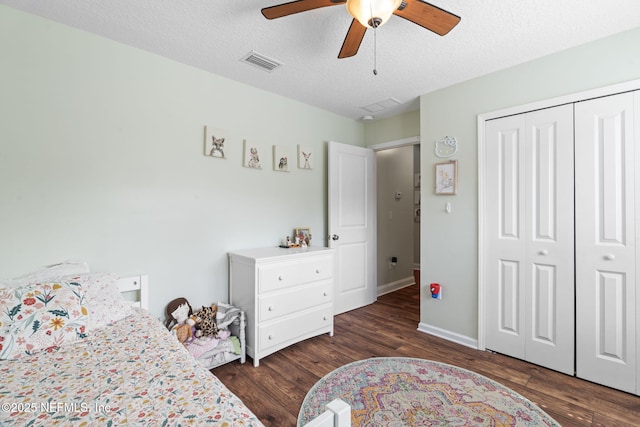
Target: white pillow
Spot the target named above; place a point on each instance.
(102, 298)
(47, 273)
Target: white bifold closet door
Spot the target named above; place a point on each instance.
(607, 221)
(529, 189)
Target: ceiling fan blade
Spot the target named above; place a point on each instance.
(428, 16)
(285, 9)
(353, 39)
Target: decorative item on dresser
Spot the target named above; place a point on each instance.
(287, 295)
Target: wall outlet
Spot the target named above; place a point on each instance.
(393, 262)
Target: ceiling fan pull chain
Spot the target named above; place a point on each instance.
(375, 52)
(374, 22)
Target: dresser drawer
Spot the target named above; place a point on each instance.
(293, 329)
(297, 299)
(279, 276)
(318, 268)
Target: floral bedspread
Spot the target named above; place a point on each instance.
(131, 373)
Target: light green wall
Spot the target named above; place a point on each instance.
(393, 128)
(450, 241)
(101, 158)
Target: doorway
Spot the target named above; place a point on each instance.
(398, 213)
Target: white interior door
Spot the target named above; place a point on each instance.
(505, 236)
(529, 237)
(352, 226)
(606, 242)
(549, 299)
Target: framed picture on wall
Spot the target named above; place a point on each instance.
(304, 235)
(447, 178)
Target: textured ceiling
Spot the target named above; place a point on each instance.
(214, 35)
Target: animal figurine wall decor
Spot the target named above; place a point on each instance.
(305, 160)
(251, 156)
(217, 149)
(214, 142)
(254, 161)
(283, 164)
(281, 155)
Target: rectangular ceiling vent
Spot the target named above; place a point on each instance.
(381, 105)
(261, 61)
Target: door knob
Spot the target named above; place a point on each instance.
(334, 237)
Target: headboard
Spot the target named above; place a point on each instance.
(135, 289)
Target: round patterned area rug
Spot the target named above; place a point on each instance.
(399, 391)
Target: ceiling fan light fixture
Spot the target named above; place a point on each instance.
(372, 13)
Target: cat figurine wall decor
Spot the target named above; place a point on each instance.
(217, 149)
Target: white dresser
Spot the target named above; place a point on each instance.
(287, 295)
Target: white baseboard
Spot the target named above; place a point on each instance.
(394, 286)
(448, 335)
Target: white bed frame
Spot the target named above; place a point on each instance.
(136, 290)
(338, 414)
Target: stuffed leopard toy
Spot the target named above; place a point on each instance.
(207, 325)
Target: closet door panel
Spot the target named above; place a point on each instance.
(606, 242)
(549, 291)
(505, 232)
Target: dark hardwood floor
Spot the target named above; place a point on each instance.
(275, 390)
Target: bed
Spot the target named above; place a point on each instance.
(77, 351)
(79, 348)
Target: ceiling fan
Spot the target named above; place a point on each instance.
(372, 14)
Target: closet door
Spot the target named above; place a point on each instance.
(530, 242)
(505, 235)
(606, 242)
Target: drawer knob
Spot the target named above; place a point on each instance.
(324, 318)
(270, 337)
(280, 278)
(324, 293)
(270, 308)
(317, 271)
(609, 257)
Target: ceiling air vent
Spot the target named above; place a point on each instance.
(261, 61)
(381, 105)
